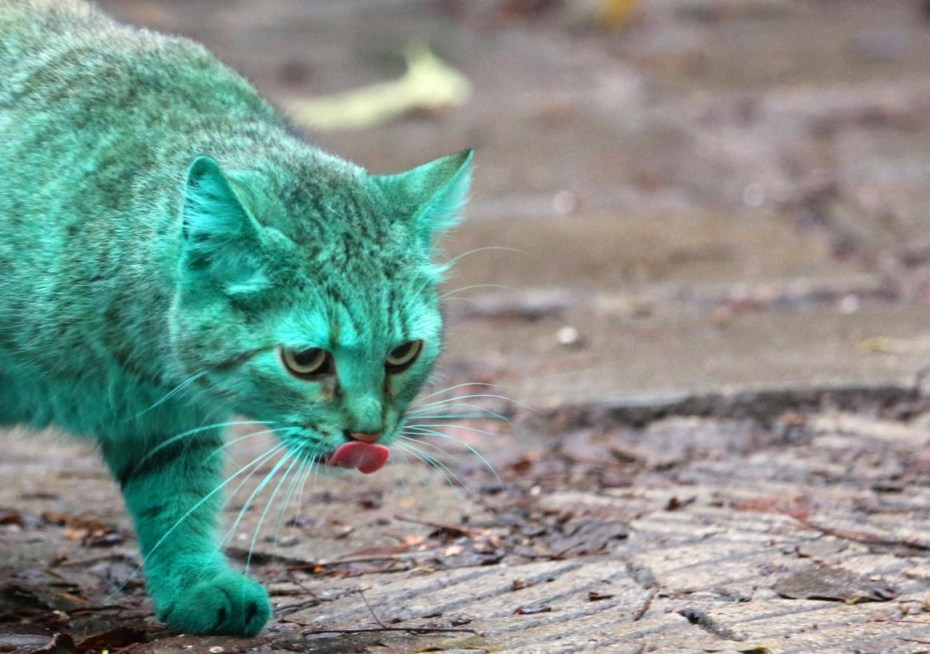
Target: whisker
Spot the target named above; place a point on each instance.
(463, 416)
(425, 430)
(257, 461)
(449, 295)
(459, 398)
(311, 469)
(174, 391)
(451, 477)
(420, 413)
(244, 437)
(454, 388)
(485, 248)
(192, 432)
(258, 489)
(411, 457)
(405, 460)
(422, 425)
(419, 457)
(268, 505)
(296, 486)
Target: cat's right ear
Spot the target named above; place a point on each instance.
(431, 196)
(221, 237)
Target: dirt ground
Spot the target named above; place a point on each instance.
(693, 291)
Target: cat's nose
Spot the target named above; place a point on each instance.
(365, 437)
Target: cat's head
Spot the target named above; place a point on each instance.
(307, 298)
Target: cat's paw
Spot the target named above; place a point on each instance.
(228, 603)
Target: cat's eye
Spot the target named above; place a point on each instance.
(307, 363)
(403, 356)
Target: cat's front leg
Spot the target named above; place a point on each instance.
(172, 490)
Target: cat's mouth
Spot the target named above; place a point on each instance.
(365, 457)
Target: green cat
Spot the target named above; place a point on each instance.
(171, 255)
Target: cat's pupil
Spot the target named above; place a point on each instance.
(307, 358)
(401, 351)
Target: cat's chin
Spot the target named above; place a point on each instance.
(364, 457)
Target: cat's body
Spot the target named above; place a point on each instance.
(171, 255)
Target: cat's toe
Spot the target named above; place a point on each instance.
(228, 603)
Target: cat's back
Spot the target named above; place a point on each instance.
(68, 54)
(30, 27)
(98, 124)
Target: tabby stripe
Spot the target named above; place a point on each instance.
(237, 359)
(156, 460)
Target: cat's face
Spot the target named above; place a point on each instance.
(319, 313)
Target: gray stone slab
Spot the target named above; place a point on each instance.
(625, 359)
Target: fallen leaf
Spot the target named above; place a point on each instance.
(73, 522)
(107, 538)
(533, 609)
(834, 584)
(589, 536)
(428, 84)
(596, 596)
(614, 14)
(11, 518)
(117, 637)
(35, 639)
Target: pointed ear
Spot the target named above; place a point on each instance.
(221, 238)
(432, 196)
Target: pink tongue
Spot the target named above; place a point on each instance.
(367, 457)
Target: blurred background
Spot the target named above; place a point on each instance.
(671, 196)
(698, 250)
(692, 194)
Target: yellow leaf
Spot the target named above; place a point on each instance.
(428, 84)
(614, 14)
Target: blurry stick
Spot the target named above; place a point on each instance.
(428, 84)
(888, 345)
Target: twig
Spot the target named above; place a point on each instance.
(452, 529)
(371, 610)
(647, 603)
(375, 630)
(859, 536)
(397, 558)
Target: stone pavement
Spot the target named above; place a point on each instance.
(697, 265)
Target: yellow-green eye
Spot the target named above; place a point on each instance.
(403, 356)
(307, 363)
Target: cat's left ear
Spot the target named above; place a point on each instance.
(221, 237)
(431, 196)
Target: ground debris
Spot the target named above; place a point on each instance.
(532, 609)
(831, 583)
(707, 623)
(119, 636)
(34, 639)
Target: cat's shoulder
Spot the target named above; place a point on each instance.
(31, 27)
(39, 7)
(25, 16)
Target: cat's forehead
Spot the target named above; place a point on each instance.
(369, 314)
(323, 200)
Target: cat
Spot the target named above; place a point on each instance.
(173, 255)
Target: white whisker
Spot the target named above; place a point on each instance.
(425, 430)
(268, 505)
(451, 477)
(253, 463)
